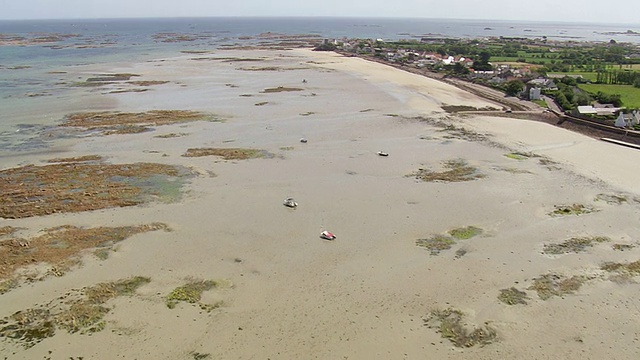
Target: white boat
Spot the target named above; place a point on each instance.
(289, 202)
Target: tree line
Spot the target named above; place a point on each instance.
(618, 77)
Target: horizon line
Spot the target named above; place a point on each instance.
(309, 16)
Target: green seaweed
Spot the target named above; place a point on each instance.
(573, 245)
(632, 268)
(227, 153)
(461, 252)
(8, 285)
(102, 253)
(622, 247)
(513, 296)
(550, 285)
(574, 209)
(449, 323)
(465, 233)
(458, 171)
(436, 243)
(517, 156)
(190, 292)
(78, 311)
(463, 134)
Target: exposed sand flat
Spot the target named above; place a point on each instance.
(427, 95)
(590, 157)
(366, 294)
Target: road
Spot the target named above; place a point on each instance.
(552, 104)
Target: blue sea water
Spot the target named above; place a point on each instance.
(133, 37)
(37, 69)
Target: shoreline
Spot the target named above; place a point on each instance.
(522, 109)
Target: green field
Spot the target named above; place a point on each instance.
(541, 103)
(629, 95)
(624, 67)
(591, 76)
(528, 59)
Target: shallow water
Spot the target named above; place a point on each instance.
(39, 82)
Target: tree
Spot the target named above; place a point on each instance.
(569, 80)
(582, 99)
(460, 69)
(514, 87)
(562, 101)
(613, 99)
(327, 46)
(482, 62)
(484, 56)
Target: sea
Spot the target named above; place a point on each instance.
(32, 75)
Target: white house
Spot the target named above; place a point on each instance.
(534, 93)
(600, 111)
(635, 118)
(587, 110)
(449, 60)
(544, 84)
(621, 121)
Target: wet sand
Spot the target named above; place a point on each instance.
(367, 294)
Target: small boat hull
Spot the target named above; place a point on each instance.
(289, 202)
(327, 235)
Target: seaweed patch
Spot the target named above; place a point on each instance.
(191, 293)
(79, 311)
(60, 247)
(450, 324)
(227, 153)
(457, 171)
(550, 285)
(72, 186)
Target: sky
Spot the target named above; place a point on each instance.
(622, 11)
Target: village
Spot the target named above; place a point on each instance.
(524, 75)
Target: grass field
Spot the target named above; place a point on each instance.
(527, 58)
(630, 95)
(541, 103)
(624, 67)
(591, 76)
(516, 65)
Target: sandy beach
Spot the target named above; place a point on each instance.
(476, 238)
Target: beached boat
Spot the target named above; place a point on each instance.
(327, 235)
(289, 202)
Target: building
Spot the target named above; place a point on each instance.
(621, 121)
(627, 120)
(534, 93)
(544, 84)
(597, 111)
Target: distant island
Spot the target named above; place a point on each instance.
(628, 32)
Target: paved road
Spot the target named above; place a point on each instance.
(552, 104)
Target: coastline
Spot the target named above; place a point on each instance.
(519, 109)
(285, 293)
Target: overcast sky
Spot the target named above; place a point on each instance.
(620, 11)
